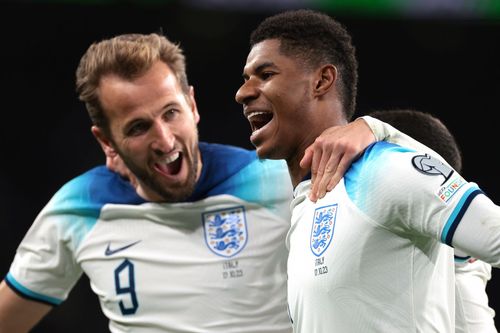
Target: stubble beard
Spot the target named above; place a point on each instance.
(176, 193)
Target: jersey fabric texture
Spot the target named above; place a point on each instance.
(472, 313)
(215, 263)
(371, 255)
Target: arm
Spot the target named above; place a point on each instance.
(431, 199)
(334, 150)
(18, 314)
(478, 231)
(385, 132)
(332, 153)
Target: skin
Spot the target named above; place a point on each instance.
(124, 98)
(332, 153)
(115, 163)
(152, 122)
(154, 139)
(153, 127)
(17, 314)
(297, 98)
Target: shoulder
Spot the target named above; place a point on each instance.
(93, 189)
(233, 159)
(238, 171)
(379, 151)
(377, 160)
(217, 150)
(387, 175)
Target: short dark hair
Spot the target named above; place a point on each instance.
(427, 129)
(315, 39)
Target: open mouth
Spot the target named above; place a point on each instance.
(259, 119)
(171, 165)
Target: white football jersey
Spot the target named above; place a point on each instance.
(215, 263)
(472, 313)
(371, 255)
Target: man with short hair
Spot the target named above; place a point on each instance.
(373, 255)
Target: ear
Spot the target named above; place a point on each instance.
(326, 77)
(192, 102)
(104, 141)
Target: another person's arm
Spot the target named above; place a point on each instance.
(385, 132)
(333, 152)
(18, 314)
(329, 156)
(336, 148)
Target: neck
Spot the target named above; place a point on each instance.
(297, 173)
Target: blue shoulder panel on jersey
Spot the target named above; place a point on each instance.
(366, 163)
(90, 191)
(220, 162)
(239, 172)
(82, 199)
(26, 293)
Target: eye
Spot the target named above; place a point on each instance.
(170, 114)
(266, 75)
(137, 129)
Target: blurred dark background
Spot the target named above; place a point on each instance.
(436, 56)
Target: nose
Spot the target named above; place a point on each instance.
(246, 92)
(163, 139)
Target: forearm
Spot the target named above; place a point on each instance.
(478, 233)
(385, 132)
(17, 314)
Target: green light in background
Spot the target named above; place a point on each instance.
(447, 9)
(480, 9)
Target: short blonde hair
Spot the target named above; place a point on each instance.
(128, 56)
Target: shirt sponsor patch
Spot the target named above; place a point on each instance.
(431, 166)
(322, 228)
(448, 190)
(225, 230)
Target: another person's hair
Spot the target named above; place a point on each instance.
(128, 56)
(315, 39)
(427, 129)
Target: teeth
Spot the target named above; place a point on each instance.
(171, 158)
(253, 114)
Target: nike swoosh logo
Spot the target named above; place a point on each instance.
(109, 252)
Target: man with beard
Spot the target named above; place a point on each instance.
(194, 244)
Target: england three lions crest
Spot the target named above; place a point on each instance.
(226, 230)
(322, 228)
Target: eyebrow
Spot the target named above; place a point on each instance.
(260, 68)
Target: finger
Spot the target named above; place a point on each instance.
(312, 196)
(313, 169)
(109, 163)
(316, 159)
(342, 167)
(318, 165)
(335, 179)
(305, 162)
(330, 170)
